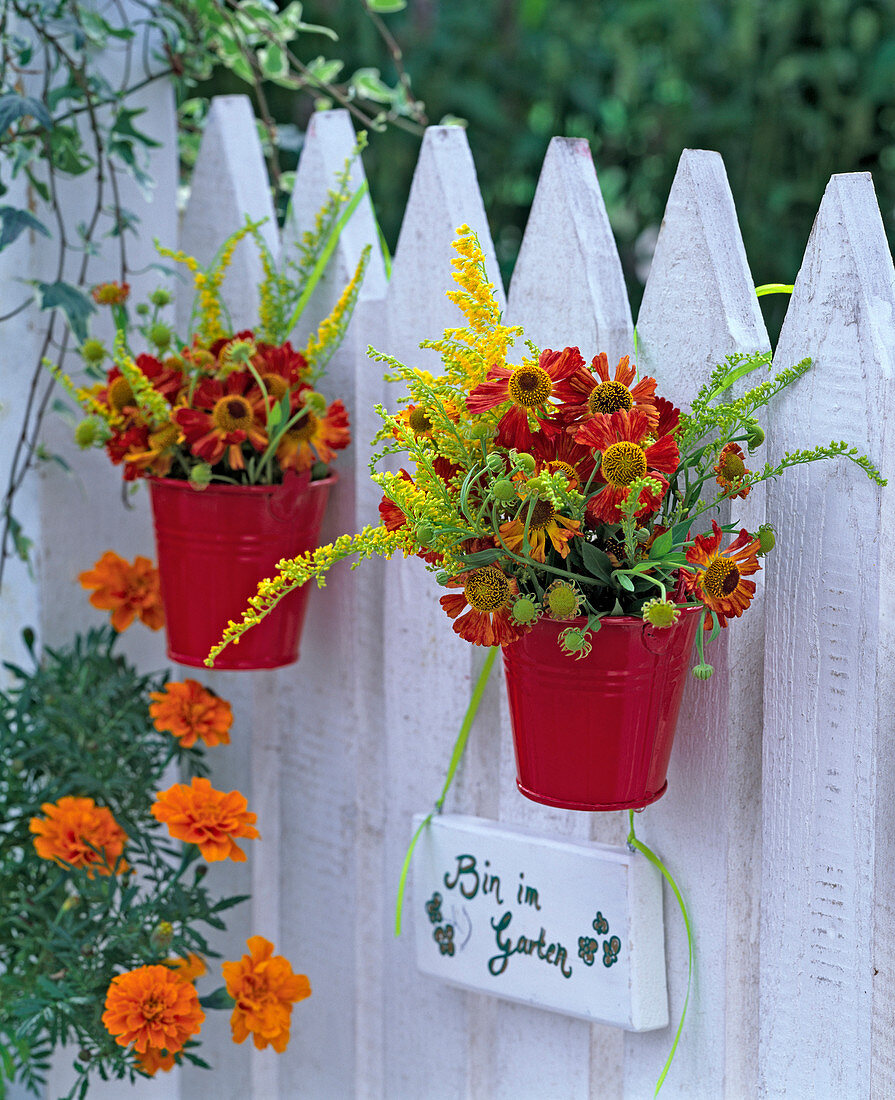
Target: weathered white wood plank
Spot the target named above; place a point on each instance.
(229, 183)
(429, 670)
(568, 284)
(699, 305)
(567, 289)
(827, 899)
(328, 707)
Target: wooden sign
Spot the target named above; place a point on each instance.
(574, 929)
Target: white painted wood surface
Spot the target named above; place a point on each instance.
(572, 928)
(698, 306)
(340, 751)
(827, 923)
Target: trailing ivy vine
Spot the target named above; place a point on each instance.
(69, 71)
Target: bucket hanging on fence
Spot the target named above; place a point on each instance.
(595, 733)
(214, 546)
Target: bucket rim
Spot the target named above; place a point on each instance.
(179, 485)
(610, 620)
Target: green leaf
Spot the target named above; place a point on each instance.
(661, 545)
(386, 7)
(13, 107)
(596, 561)
(220, 998)
(15, 222)
(482, 557)
(73, 302)
(325, 71)
(368, 84)
(124, 126)
(624, 580)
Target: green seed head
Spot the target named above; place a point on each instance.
(503, 490)
(766, 539)
(703, 671)
(160, 296)
(93, 351)
(200, 476)
(524, 611)
(160, 335)
(754, 434)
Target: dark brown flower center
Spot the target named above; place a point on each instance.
(304, 429)
(487, 589)
(541, 515)
(529, 386)
(623, 463)
(721, 578)
(609, 397)
(232, 414)
(275, 384)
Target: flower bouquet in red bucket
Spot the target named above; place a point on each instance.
(233, 436)
(560, 505)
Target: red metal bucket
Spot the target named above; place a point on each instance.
(214, 546)
(595, 733)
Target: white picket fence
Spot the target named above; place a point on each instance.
(778, 821)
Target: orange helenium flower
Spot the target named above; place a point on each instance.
(528, 388)
(544, 523)
(315, 439)
(211, 819)
(584, 394)
(110, 294)
(719, 581)
(154, 1009)
(628, 454)
(190, 711)
(264, 988)
(126, 590)
(482, 610)
(78, 832)
(730, 470)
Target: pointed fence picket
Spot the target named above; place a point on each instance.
(828, 889)
(786, 873)
(699, 305)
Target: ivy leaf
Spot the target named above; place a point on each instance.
(73, 302)
(368, 83)
(14, 106)
(15, 222)
(124, 127)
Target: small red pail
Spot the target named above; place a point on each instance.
(595, 733)
(214, 546)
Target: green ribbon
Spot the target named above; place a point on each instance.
(633, 842)
(456, 756)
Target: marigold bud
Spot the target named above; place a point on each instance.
(161, 936)
(71, 902)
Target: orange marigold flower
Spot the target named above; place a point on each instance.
(482, 610)
(719, 579)
(126, 590)
(264, 988)
(78, 832)
(151, 1060)
(201, 815)
(585, 394)
(152, 1008)
(188, 969)
(190, 711)
(545, 522)
(528, 388)
(730, 470)
(111, 293)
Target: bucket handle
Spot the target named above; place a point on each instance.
(283, 504)
(656, 640)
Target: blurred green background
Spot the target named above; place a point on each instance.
(788, 91)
